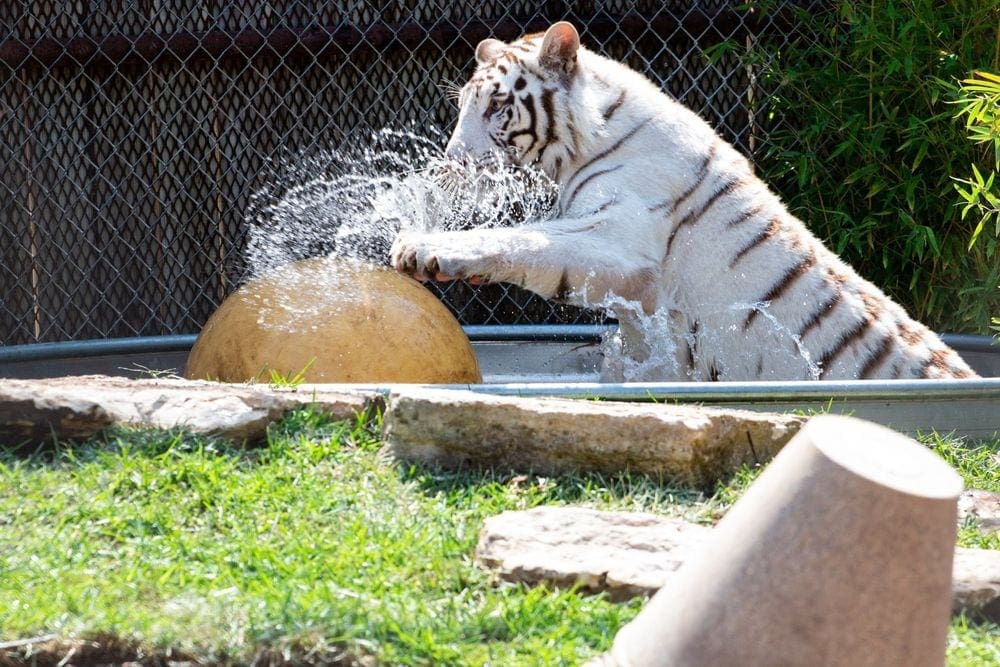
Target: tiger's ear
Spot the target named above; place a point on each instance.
(489, 50)
(559, 47)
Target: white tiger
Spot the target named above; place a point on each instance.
(655, 208)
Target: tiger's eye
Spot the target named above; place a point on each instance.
(496, 103)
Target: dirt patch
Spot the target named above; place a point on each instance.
(52, 651)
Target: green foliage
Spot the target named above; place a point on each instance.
(973, 644)
(981, 109)
(980, 102)
(863, 144)
(289, 380)
(977, 463)
(980, 106)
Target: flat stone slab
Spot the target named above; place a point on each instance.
(626, 554)
(981, 507)
(975, 583)
(80, 407)
(623, 554)
(690, 444)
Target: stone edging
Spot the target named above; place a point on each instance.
(628, 554)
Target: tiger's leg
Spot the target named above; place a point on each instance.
(567, 259)
(646, 347)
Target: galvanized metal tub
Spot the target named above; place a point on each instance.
(564, 360)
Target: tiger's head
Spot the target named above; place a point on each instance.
(513, 102)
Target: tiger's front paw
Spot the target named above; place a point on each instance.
(427, 258)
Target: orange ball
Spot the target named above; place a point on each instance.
(332, 320)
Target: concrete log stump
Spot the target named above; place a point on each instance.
(871, 509)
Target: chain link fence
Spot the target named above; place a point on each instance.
(134, 132)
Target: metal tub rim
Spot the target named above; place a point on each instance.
(968, 408)
(476, 333)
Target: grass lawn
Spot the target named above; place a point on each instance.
(311, 548)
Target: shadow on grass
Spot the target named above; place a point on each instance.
(511, 489)
(297, 425)
(116, 440)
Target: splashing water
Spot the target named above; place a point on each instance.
(645, 348)
(782, 333)
(645, 345)
(352, 201)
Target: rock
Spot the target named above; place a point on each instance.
(975, 584)
(623, 554)
(334, 320)
(626, 554)
(80, 407)
(30, 413)
(981, 507)
(690, 444)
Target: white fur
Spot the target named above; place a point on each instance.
(617, 217)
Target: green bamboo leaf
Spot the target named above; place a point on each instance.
(978, 176)
(921, 154)
(841, 148)
(932, 238)
(989, 77)
(875, 188)
(911, 194)
(976, 232)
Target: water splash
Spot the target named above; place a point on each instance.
(783, 334)
(644, 347)
(649, 347)
(352, 201)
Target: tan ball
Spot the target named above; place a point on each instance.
(341, 322)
